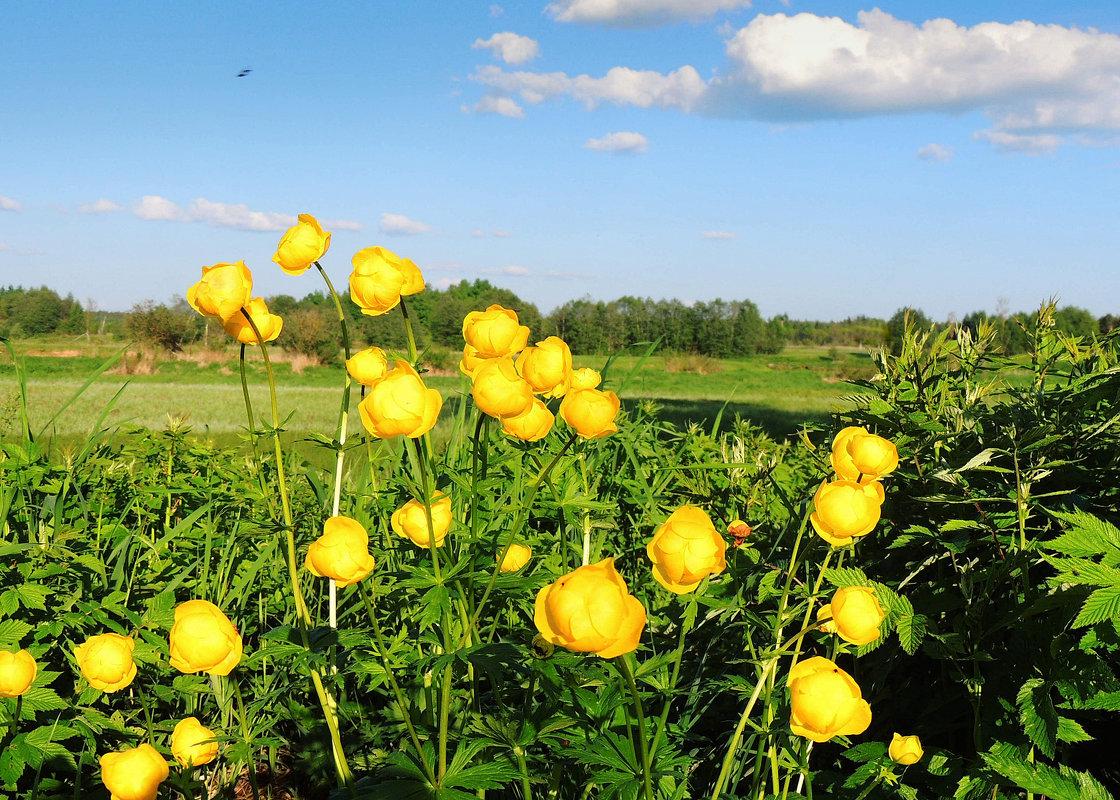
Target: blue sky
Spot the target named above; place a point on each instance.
(823, 159)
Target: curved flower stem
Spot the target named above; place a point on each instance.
(246, 733)
(623, 664)
(303, 617)
(523, 768)
(729, 758)
(147, 713)
(383, 651)
(343, 414)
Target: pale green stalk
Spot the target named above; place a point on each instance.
(623, 664)
(246, 733)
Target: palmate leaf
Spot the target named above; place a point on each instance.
(1088, 536)
(1100, 605)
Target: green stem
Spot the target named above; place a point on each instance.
(733, 745)
(526, 788)
(10, 734)
(623, 664)
(246, 734)
(147, 713)
(685, 628)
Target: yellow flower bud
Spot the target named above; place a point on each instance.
(17, 673)
(380, 278)
(268, 324)
(134, 774)
(499, 391)
(859, 454)
(106, 661)
(586, 378)
(825, 701)
(905, 750)
(411, 520)
(399, 404)
(824, 619)
(856, 614)
(303, 245)
(516, 557)
(203, 639)
(223, 290)
(368, 366)
(530, 425)
(547, 367)
(845, 510)
(686, 549)
(189, 743)
(341, 553)
(495, 332)
(590, 610)
(590, 412)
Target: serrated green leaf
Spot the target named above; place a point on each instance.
(12, 632)
(1038, 715)
(911, 631)
(1102, 604)
(1104, 701)
(1070, 730)
(846, 576)
(1037, 778)
(11, 766)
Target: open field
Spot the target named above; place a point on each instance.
(779, 392)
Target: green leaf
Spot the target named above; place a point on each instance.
(11, 766)
(1105, 701)
(1100, 605)
(1071, 731)
(1037, 778)
(846, 576)
(911, 631)
(12, 632)
(1038, 715)
(1088, 536)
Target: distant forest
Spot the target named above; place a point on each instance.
(719, 328)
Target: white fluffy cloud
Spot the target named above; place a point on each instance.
(152, 206)
(510, 47)
(1032, 144)
(99, 206)
(400, 225)
(1030, 80)
(496, 104)
(512, 269)
(638, 13)
(718, 235)
(935, 152)
(225, 215)
(8, 204)
(620, 142)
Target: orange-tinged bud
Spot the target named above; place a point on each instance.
(516, 557)
(368, 366)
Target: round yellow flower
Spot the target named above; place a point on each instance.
(590, 412)
(380, 278)
(825, 701)
(516, 557)
(341, 553)
(859, 454)
(189, 745)
(547, 367)
(905, 750)
(499, 391)
(17, 672)
(203, 639)
(399, 404)
(223, 290)
(303, 245)
(495, 332)
(590, 610)
(856, 614)
(411, 520)
(686, 549)
(845, 510)
(368, 366)
(470, 361)
(530, 425)
(268, 324)
(585, 378)
(106, 661)
(134, 774)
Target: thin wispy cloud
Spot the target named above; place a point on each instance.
(935, 152)
(28, 251)
(566, 276)
(478, 233)
(512, 269)
(718, 235)
(510, 47)
(620, 142)
(8, 204)
(220, 215)
(496, 11)
(100, 206)
(1031, 144)
(400, 225)
(341, 225)
(639, 13)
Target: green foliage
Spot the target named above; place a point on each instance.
(162, 327)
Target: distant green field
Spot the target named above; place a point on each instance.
(780, 392)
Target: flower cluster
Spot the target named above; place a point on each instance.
(849, 507)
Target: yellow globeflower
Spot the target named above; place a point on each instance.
(368, 366)
(189, 743)
(859, 454)
(303, 245)
(856, 614)
(399, 404)
(495, 332)
(586, 378)
(499, 391)
(341, 553)
(590, 412)
(547, 367)
(411, 520)
(223, 290)
(380, 278)
(516, 557)
(268, 324)
(686, 549)
(203, 639)
(905, 750)
(590, 610)
(134, 774)
(825, 701)
(17, 672)
(530, 425)
(470, 361)
(845, 510)
(106, 661)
